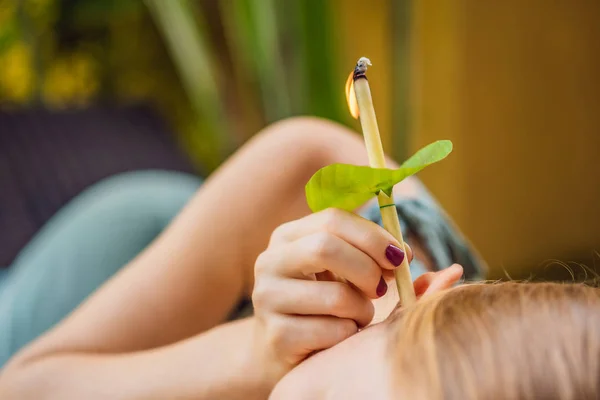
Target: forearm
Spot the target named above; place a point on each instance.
(216, 364)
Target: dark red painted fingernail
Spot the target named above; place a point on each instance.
(394, 254)
(381, 288)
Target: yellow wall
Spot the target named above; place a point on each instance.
(516, 85)
(366, 31)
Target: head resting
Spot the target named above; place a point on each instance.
(507, 340)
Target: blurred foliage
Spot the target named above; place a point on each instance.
(218, 70)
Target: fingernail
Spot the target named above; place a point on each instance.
(381, 288)
(394, 254)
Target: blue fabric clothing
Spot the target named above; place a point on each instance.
(82, 246)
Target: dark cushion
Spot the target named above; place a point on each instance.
(47, 158)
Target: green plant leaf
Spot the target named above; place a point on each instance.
(186, 37)
(349, 186)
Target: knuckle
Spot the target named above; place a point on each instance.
(262, 263)
(277, 332)
(260, 295)
(281, 232)
(323, 245)
(331, 218)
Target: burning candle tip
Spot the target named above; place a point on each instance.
(361, 67)
(363, 62)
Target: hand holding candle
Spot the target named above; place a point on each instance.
(358, 94)
(349, 186)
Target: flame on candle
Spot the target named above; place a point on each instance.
(351, 96)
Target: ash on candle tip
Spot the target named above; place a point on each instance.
(361, 67)
(363, 63)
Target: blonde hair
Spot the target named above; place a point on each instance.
(500, 341)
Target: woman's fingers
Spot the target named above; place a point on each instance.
(314, 281)
(320, 252)
(365, 235)
(302, 297)
(297, 311)
(388, 273)
(294, 335)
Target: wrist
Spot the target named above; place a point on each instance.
(253, 361)
(222, 363)
(264, 367)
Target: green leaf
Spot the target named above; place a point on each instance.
(187, 39)
(252, 28)
(350, 186)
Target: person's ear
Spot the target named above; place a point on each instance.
(432, 282)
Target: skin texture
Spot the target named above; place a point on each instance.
(359, 367)
(157, 329)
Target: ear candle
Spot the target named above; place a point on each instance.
(361, 105)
